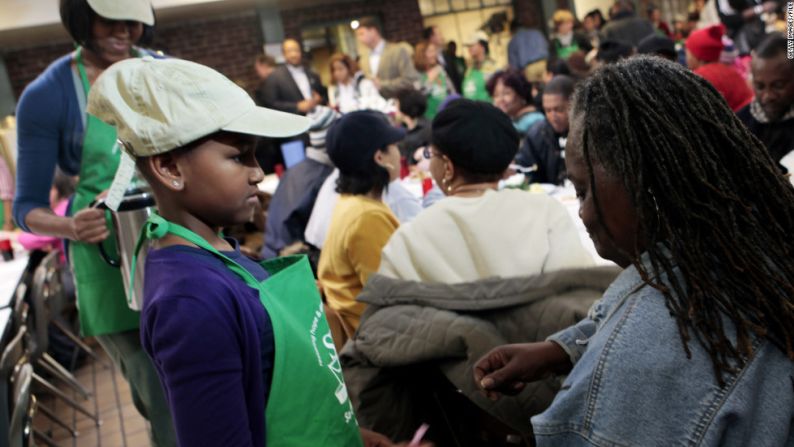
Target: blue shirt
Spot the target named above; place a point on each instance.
(211, 341)
(525, 121)
(527, 46)
(632, 384)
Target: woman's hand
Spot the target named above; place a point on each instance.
(88, 226)
(508, 368)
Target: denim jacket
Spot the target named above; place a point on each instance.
(632, 384)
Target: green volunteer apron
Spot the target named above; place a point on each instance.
(100, 289)
(438, 92)
(308, 403)
(564, 52)
(474, 85)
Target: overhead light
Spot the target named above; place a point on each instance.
(354, 24)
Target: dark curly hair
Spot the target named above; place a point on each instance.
(513, 78)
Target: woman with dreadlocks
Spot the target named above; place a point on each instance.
(693, 342)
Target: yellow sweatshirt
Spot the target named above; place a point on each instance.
(360, 228)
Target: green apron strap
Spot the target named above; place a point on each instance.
(78, 58)
(156, 227)
(100, 288)
(303, 348)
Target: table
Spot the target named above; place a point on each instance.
(5, 319)
(10, 274)
(269, 184)
(11, 271)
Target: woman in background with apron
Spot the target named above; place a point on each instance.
(53, 128)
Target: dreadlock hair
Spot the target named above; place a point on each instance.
(714, 211)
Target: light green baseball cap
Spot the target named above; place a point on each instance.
(158, 105)
(136, 10)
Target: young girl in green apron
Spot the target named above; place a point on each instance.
(243, 349)
(54, 126)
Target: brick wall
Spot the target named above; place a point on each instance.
(529, 13)
(401, 19)
(227, 43)
(24, 64)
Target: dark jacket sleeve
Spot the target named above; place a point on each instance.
(259, 95)
(273, 88)
(317, 85)
(583, 42)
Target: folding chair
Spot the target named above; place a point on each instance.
(22, 414)
(13, 354)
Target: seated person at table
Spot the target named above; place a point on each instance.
(544, 146)
(292, 203)
(476, 231)
(362, 146)
(231, 347)
(512, 94)
(692, 344)
(411, 106)
(397, 197)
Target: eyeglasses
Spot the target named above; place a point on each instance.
(427, 153)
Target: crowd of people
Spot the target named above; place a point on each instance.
(675, 139)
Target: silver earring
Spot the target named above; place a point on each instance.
(175, 183)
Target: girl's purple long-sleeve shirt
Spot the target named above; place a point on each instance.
(211, 342)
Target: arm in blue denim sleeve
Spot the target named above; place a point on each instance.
(573, 340)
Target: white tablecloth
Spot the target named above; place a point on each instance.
(5, 319)
(11, 271)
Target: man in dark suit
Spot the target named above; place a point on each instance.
(432, 34)
(293, 87)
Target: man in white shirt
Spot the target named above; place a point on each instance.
(293, 87)
(389, 65)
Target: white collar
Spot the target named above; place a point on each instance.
(379, 47)
(758, 113)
